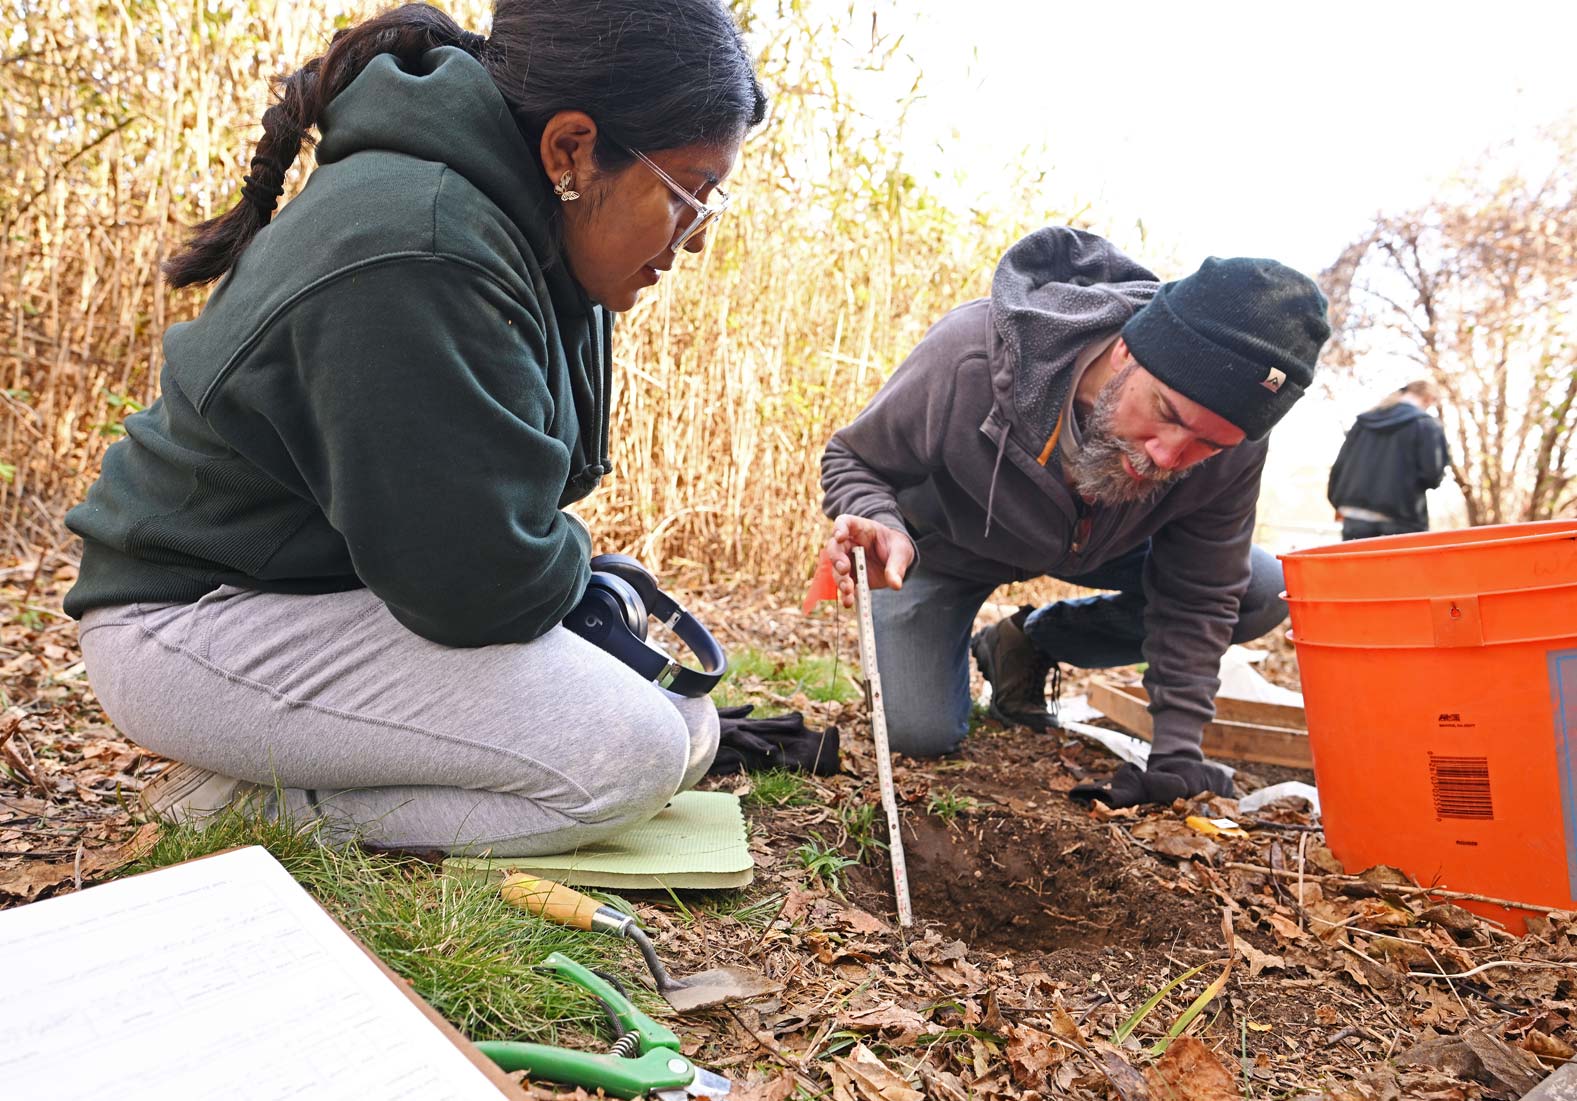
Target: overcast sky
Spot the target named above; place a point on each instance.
(1237, 128)
(1231, 129)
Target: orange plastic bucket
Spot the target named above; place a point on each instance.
(1440, 685)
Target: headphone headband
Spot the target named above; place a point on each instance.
(613, 614)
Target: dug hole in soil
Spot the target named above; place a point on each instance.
(1027, 869)
(1013, 883)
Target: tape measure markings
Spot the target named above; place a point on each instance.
(884, 765)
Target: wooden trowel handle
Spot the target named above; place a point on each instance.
(550, 900)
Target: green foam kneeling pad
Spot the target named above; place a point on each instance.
(697, 841)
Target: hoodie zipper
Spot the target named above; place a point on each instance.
(1081, 530)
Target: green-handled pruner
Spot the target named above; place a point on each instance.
(643, 1062)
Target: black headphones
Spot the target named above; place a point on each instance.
(612, 615)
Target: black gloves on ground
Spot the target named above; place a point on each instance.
(1168, 777)
(779, 742)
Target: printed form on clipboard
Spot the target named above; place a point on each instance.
(221, 977)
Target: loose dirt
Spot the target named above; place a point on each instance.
(1008, 884)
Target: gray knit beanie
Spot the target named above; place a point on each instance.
(1239, 336)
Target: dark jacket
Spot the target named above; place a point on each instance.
(952, 448)
(1389, 458)
(396, 387)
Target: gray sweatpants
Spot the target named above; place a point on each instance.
(523, 749)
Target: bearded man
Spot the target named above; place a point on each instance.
(1089, 424)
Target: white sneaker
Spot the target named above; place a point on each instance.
(186, 793)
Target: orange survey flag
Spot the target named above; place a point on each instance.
(824, 586)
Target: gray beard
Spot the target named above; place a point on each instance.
(1097, 470)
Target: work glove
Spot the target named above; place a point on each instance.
(752, 744)
(1169, 777)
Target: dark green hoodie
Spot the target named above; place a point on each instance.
(396, 387)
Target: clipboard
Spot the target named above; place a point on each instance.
(217, 975)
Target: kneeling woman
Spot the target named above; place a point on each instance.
(329, 565)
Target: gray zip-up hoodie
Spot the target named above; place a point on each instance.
(957, 450)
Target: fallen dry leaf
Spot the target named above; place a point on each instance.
(858, 921)
(896, 1024)
(1032, 1054)
(29, 879)
(1066, 1028)
(944, 1085)
(1285, 927)
(1449, 916)
(1441, 1009)
(779, 1087)
(1319, 855)
(1190, 1071)
(1259, 961)
(1444, 1053)
(1174, 838)
(1546, 1046)
(1517, 1069)
(1375, 913)
(933, 950)
(872, 1078)
(1121, 1075)
(797, 903)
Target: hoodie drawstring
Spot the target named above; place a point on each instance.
(996, 467)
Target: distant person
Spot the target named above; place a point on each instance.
(1089, 423)
(1391, 456)
(333, 559)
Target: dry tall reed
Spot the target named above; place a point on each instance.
(124, 124)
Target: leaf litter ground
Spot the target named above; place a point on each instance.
(1058, 950)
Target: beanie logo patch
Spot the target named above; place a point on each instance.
(1274, 377)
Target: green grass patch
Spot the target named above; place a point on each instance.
(824, 863)
(947, 804)
(738, 905)
(778, 787)
(859, 821)
(469, 954)
(820, 677)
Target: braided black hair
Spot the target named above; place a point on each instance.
(655, 74)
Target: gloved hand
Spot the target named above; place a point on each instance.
(1168, 777)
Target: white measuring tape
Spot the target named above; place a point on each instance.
(884, 764)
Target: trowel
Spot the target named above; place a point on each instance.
(567, 906)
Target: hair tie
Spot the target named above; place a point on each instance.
(472, 43)
(263, 186)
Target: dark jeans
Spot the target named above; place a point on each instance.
(922, 639)
(1098, 632)
(1368, 529)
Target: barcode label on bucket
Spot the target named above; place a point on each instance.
(1461, 787)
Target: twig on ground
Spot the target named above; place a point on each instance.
(1290, 827)
(1303, 844)
(770, 1045)
(1486, 967)
(1348, 1033)
(1434, 892)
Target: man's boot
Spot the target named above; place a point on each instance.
(1016, 670)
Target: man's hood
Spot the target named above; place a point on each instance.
(1054, 292)
(447, 110)
(1390, 418)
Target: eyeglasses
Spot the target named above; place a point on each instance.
(705, 213)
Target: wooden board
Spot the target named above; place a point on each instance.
(1267, 733)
